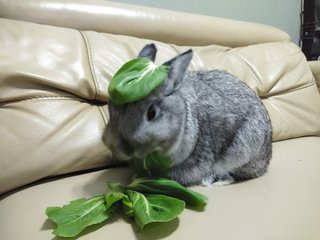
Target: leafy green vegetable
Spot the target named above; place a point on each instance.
(171, 188)
(135, 80)
(146, 200)
(152, 208)
(75, 216)
(117, 194)
(113, 197)
(153, 164)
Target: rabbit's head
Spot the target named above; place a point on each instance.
(154, 123)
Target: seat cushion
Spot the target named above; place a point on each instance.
(283, 204)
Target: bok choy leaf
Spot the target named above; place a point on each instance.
(135, 80)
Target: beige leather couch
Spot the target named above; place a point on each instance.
(56, 60)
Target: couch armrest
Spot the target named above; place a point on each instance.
(315, 68)
(143, 22)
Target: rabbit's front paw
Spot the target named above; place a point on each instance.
(217, 180)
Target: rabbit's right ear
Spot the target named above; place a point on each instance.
(178, 67)
(149, 51)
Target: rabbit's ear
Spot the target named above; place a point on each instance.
(178, 67)
(149, 51)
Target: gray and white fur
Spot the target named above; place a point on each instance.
(212, 126)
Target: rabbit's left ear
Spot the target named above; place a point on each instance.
(178, 67)
(149, 51)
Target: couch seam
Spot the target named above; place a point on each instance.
(252, 71)
(175, 49)
(92, 67)
(290, 91)
(50, 97)
(40, 98)
(104, 117)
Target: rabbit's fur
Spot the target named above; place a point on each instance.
(212, 126)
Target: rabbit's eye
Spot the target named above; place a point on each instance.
(151, 114)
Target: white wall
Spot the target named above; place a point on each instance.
(284, 14)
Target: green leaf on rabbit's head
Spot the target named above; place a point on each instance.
(135, 80)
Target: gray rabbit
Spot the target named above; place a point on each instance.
(212, 126)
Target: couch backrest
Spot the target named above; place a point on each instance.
(53, 93)
(142, 22)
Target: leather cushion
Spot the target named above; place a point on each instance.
(283, 204)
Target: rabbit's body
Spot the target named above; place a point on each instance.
(210, 124)
(228, 135)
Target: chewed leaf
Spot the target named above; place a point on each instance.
(154, 165)
(171, 188)
(150, 208)
(135, 80)
(113, 197)
(75, 216)
(116, 195)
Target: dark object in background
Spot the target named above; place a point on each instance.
(310, 29)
